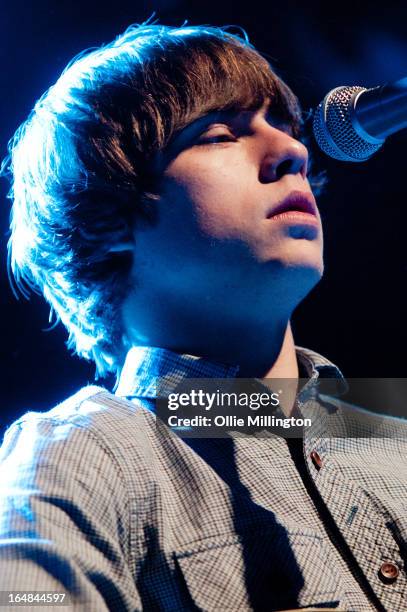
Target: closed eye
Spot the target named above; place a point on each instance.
(217, 139)
(216, 135)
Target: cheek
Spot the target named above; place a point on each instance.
(214, 201)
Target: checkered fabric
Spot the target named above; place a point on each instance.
(99, 503)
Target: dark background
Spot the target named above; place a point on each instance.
(356, 315)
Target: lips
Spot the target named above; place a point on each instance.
(299, 201)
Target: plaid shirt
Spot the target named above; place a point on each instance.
(98, 503)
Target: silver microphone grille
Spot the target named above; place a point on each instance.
(333, 129)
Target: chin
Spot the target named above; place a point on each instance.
(298, 275)
(307, 257)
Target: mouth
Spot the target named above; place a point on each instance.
(295, 202)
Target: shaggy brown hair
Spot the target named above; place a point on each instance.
(82, 164)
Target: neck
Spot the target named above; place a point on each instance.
(263, 348)
(285, 365)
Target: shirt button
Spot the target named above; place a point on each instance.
(316, 459)
(389, 572)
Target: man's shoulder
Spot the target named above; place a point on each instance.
(94, 406)
(92, 413)
(90, 406)
(350, 420)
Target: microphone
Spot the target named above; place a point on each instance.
(352, 123)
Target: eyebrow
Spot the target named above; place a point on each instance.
(269, 110)
(209, 118)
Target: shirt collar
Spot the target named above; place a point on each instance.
(144, 364)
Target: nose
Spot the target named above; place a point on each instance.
(283, 155)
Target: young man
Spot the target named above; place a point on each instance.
(162, 206)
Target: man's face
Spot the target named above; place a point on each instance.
(218, 239)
